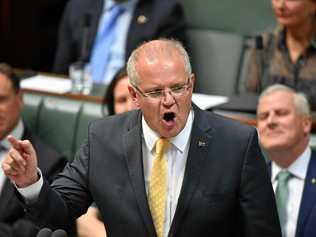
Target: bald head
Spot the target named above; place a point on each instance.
(151, 52)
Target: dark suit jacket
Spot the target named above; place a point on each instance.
(165, 18)
(226, 189)
(307, 213)
(13, 222)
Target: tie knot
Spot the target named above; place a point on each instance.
(162, 145)
(284, 176)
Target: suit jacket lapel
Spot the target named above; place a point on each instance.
(132, 141)
(199, 149)
(309, 196)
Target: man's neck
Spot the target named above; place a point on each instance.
(285, 157)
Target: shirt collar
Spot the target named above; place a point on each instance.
(298, 168)
(281, 41)
(111, 3)
(180, 141)
(17, 132)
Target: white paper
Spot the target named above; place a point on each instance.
(47, 83)
(208, 101)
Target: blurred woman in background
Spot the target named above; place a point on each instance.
(288, 54)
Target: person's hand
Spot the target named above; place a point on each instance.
(88, 225)
(20, 163)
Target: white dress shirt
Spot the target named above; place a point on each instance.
(117, 51)
(176, 157)
(298, 171)
(17, 132)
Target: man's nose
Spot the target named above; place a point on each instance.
(168, 98)
(271, 120)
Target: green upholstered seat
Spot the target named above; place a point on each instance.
(215, 60)
(241, 16)
(57, 123)
(32, 106)
(88, 112)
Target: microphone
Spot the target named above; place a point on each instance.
(85, 38)
(59, 233)
(45, 232)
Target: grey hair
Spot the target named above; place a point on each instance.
(169, 43)
(300, 100)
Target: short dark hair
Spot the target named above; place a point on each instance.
(7, 71)
(108, 99)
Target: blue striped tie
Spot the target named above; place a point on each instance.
(102, 46)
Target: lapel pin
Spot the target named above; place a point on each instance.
(313, 180)
(201, 143)
(141, 19)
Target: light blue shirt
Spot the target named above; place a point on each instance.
(117, 51)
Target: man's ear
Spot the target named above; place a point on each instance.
(20, 97)
(192, 78)
(307, 124)
(133, 95)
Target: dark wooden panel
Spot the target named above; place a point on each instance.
(31, 32)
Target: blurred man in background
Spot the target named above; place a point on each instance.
(103, 33)
(284, 125)
(12, 215)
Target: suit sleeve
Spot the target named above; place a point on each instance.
(66, 199)
(258, 213)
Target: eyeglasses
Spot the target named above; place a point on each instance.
(158, 94)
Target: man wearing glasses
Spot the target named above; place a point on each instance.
(168, 169)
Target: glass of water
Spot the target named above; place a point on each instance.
(81, 79)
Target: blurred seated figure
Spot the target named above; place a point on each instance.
(117, 100)
(103, 33)
(288, 54)
(284, 125)
(13, 221)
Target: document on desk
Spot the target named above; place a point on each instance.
(205, 101)
(47, 83)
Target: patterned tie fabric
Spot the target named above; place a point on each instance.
(102, 46)
(158, 186)
(281, 195)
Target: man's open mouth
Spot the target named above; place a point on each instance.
(170, 116)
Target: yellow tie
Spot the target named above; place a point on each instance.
(158, 186)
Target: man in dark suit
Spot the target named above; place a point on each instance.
(284, 125)
(142, 20)
(13, 222)
(207, 177)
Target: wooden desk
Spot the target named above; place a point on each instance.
(99, 99)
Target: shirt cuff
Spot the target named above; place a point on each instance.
(31, 192)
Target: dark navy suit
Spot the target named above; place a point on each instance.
(306, 223)
(165, 18)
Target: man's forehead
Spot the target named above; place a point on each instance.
(280, 97)
(273, 101)
(5, 82)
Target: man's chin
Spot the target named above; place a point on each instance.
(169, 133)
(275, 146)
